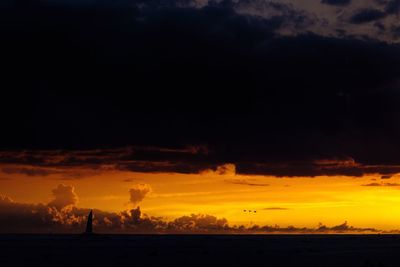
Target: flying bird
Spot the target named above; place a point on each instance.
(250, 211)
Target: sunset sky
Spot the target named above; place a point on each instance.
(365, 201)
(288, 109)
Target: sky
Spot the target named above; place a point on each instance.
(246, 116)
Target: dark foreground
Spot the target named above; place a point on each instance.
(200, 250)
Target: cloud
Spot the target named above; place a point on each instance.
(77, 164)
(129, 180)
(382, 184)
(372, 184)
(44, 218)
(313, 168)
(336, 2)
(367, 15)
(245, 182)
(393, 7)
(391, 184)
(138, 193)
(343, 228)
(64, 196)
(199, 222)
(321, 229)
(227, 169)
(5, 199)
(275, 208)
(395, 31)
(260, 129)
(371, 14)
(29, 171)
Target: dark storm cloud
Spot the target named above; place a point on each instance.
(367, 15)
(393, 7)
(371, 14)
(29, 171)
(316, 168)
(380, 26)
(158, 78)
(77, 164)
(336, 2)
(395, 31)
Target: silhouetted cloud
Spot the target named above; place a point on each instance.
(382, 184)
(64, 195)
(372, 184)
(391, 184)
(77, 164)
(275, 208)
(29, 171)
(249, 182)
(138, 193)
(343, 228)
(66, 218)
(321, 229)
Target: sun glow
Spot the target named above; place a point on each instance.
(283, 201)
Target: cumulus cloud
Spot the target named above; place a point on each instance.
(138, 193)
(44, 218)
(227, 169)
(64, 196)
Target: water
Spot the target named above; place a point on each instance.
(200, 250)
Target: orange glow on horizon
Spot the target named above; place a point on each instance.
(303, 202)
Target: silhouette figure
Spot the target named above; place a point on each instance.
(89, 224)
